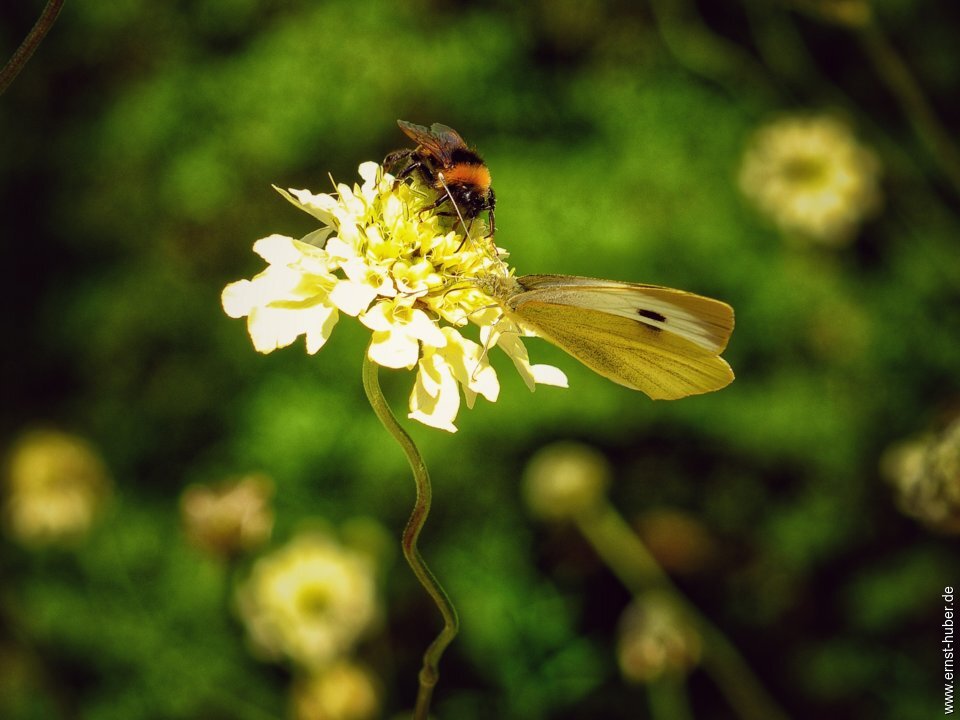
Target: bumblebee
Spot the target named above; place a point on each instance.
(445, 162)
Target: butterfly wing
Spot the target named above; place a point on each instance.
(702, 321)
(439, 141)
(663, 342)
(639, 356)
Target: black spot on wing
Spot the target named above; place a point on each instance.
(652, 315)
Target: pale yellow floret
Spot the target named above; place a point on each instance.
(398, 330)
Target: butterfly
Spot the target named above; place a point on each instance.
(663, 342)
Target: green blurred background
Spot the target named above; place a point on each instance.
(137, 150)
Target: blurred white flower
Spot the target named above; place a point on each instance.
(344, 691)
(386, 257)
(811, 177)
(311, 600)
(925, 472)
(56, 487)
(655, 639)
(230, 518)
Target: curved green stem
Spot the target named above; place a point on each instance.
(30, 43)
(668, 699)
(429, 674)
(628, 558)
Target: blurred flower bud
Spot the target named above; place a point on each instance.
(344, 691)
(229, 519)
(656, 639)
(678, 542)
(811, 177)
(311, 600)
(925, 473)
(56, 487)
(565, 479)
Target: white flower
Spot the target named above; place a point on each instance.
(384, 256)
(310, 601)
(230, 518)
(811, 176)
(345, 691)
(656, 639)
(56, 488)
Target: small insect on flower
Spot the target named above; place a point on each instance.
(665, 343)
(443, 161)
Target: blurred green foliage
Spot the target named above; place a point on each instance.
(137, 151)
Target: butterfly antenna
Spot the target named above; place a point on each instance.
(486, 347)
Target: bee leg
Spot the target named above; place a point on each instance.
(440, 201)
(468, 228)
(491, 204)
(492, 230)
(395, 160)
(407, 171)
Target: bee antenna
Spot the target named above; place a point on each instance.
(466, 231)
(463, 224)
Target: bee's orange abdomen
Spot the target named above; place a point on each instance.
(468, 174)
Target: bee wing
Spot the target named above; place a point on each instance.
(700, 320)
(439, 140)
(634, 354)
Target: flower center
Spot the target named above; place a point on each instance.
(804, 170)
(313, 601)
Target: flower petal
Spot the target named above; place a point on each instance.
(352, 297)
(549, 375)
(469, 365)
(238, 298)
(271, 327)
(438, 408)
(320, 206)
(321, 326)
(423, 328)
(393, 349)
(277, 250)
